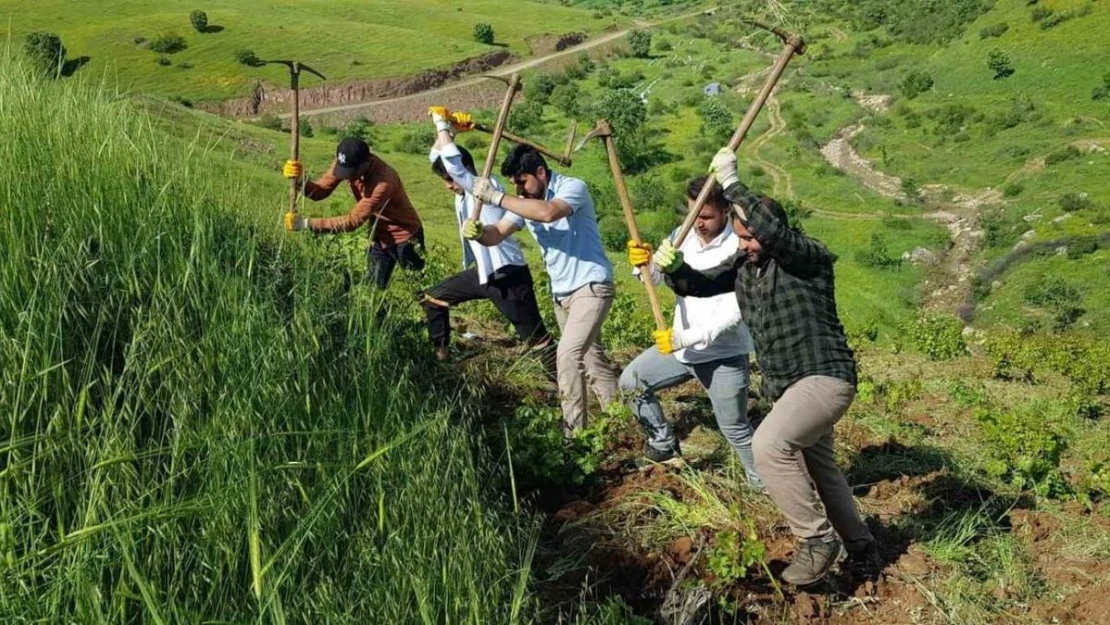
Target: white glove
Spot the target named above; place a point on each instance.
(486, 192)
(723, 168)
(686, 337)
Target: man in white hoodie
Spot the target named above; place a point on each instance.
(708, 341)
(498, 273)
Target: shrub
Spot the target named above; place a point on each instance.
(1102, 92)
(1081, 247)
(248, 57)
(483, 33)
(938, 336)
(565, 98)
(1012, 189)
(639, 43)
(199, 20)
(664, 45)
(915, 83)
(910, 188)
(168, 43)
(1057, 296)
(1072, 202)
(716, 119)
(539, 87)
(1039, 14)
(46, 52)
(1084, 362)
(994, 30)
(416, 141)
(999, 63)
(1024, 448)
(163, 61)
(877, 256)
(526, 117)
(1065, 154)
(362, 128)
(734, 555)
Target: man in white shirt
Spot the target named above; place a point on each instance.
(559, 212)
(498, 273)
(709, 341)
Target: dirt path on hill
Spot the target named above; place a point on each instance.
(783, 184)
(471, 92)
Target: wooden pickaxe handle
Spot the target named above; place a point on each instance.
(630, 220)
(495, 141)
(562, 159)
(295, 128)
(794, 45)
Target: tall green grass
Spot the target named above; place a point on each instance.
(199, 419)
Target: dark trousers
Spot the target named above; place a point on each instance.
(380, 260)
(510, 290)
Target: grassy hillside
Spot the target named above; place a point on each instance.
(344, 39)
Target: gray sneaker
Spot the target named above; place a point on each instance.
(812, 560)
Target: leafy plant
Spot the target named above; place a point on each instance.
(734, 555)
(938, 336)
(999, 62)
(716, 119)
(1024, 449)
(639, 43)
(167, 43)
(199, 20)
(915, 83)
(46, 52)
(877, 256)
(1056, 295)
(994, 30)
(483, 33)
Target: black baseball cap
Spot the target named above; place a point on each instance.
(351, 154)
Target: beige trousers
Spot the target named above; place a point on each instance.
(580, 316)
(793, 450)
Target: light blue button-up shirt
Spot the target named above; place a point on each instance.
(571, 246)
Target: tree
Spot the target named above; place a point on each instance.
(46, 52)
(999, 63)
(565, 98)
(624, 110)
(526, 117)
(539, 87)
(915, 83)
(716, 119)
(483, 33)
(200, 20)
(639, 43)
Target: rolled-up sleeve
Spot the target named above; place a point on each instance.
(359, 215)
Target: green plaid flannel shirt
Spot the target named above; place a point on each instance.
(788, 301)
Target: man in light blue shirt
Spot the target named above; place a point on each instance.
(559, 212)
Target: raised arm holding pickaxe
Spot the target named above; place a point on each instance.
(783, 283)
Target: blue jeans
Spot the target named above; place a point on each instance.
(726, 383)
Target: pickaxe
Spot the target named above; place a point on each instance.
(498, 131)
(793, 45)
(605, 132)
(295, 69)
(563, 159)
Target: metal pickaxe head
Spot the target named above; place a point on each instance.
(603, 129)
(514, 82)
(295, 68)
(787, 37)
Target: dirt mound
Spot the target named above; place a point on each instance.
(274, 99)
(546, 44)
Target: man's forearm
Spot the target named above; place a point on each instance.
(535, 210)
(490, 236)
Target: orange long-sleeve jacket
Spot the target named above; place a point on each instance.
(381, 199)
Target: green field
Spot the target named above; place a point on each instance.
(345, 40)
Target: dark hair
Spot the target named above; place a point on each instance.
(523, 159)
(716, 197)
(467, 161)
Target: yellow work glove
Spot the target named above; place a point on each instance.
(639, 254)
(462, 122)
(664, 341)
(294, 222)
(292, 170)
(472, 230)
(667, 258)
(441, 117)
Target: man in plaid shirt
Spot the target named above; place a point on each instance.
(784, 284)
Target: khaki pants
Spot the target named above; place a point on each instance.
(580, 316)
(793, 450)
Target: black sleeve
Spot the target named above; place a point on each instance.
(689, 282)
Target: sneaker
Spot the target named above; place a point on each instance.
(670, 457)
(812, 561)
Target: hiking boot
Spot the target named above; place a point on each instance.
(864, 552)
(812, 561)
(670, 457)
